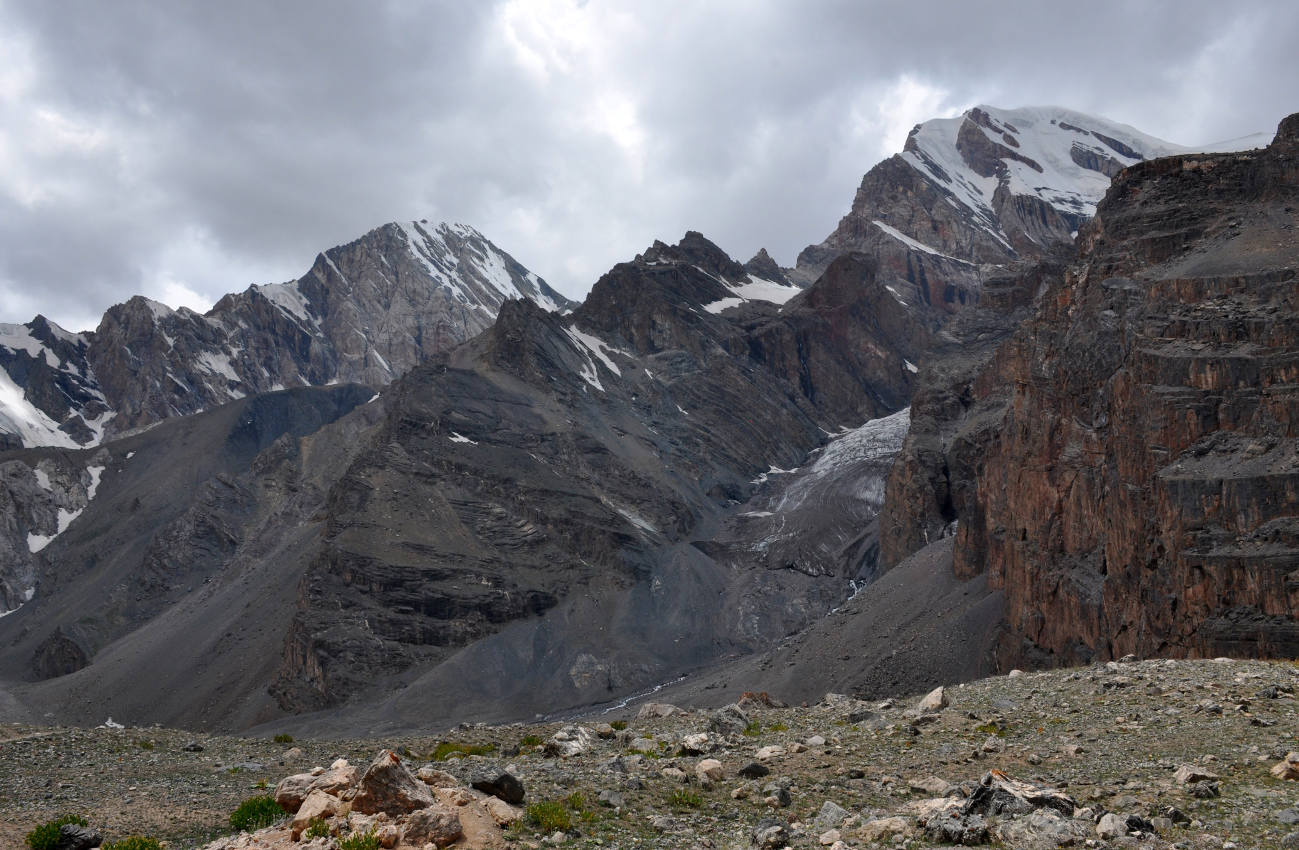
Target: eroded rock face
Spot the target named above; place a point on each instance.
(1141, 494)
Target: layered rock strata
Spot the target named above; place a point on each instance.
(1141, 493)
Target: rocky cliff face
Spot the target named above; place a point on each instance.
(1141, 492)
(366, 312)
(969, 195)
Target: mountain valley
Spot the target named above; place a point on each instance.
(1031, 404)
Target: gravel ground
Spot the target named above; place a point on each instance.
(1110, 736)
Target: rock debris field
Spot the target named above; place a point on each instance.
(1150, 754)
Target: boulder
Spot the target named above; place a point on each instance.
(830, 817)
(883, 829)
(292, 790)
(935, 700)
(696, 744)
(709, 770)
(1043, 829)
(1287, 768)
(318, 804)
(498, 783)
(999, 794)
(1111, 826)
(502, 812)
(74, 837)
(435, 778)
(729, 720)
(569, 741)
(436, 824)
(1189, 774)
(388, 786)
(337, 779)
(652, 710)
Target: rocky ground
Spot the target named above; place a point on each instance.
(1145, 754)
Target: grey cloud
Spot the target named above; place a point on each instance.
(275, 130)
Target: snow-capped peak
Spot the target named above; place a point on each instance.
(1063, 157)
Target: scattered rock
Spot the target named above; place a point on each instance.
(754, 770)
(830, 817)
(770, 834)
(696, 744)
(884, 829)
(652, 710)
(1042, 829)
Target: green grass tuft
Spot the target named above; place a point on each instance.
(46, 836)
(359, 841)
(684, 798)
(255, 813)
(133, 842)
(549, 816)
(449, 750)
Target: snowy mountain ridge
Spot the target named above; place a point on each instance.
(366, 312)
(969, 196)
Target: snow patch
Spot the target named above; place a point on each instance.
(31, 424)
(159, 310)
(911, 367)
(591, 345)
(19, 338)
(753, 289)
(217, 363)
(913, 243)
(288, 299)
(460, 438)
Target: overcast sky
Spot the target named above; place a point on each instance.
(186, 149)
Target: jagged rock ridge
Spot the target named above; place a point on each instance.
(366, 312)
(527, 503)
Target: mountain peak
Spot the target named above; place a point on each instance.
(366, 312)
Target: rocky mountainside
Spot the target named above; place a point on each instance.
(584, 504)
(1154, 754)
(969, 195)
(366, 313)
(1124, 467)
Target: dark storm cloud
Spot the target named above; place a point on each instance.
(199, 147)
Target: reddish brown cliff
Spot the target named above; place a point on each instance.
(1141, 492)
